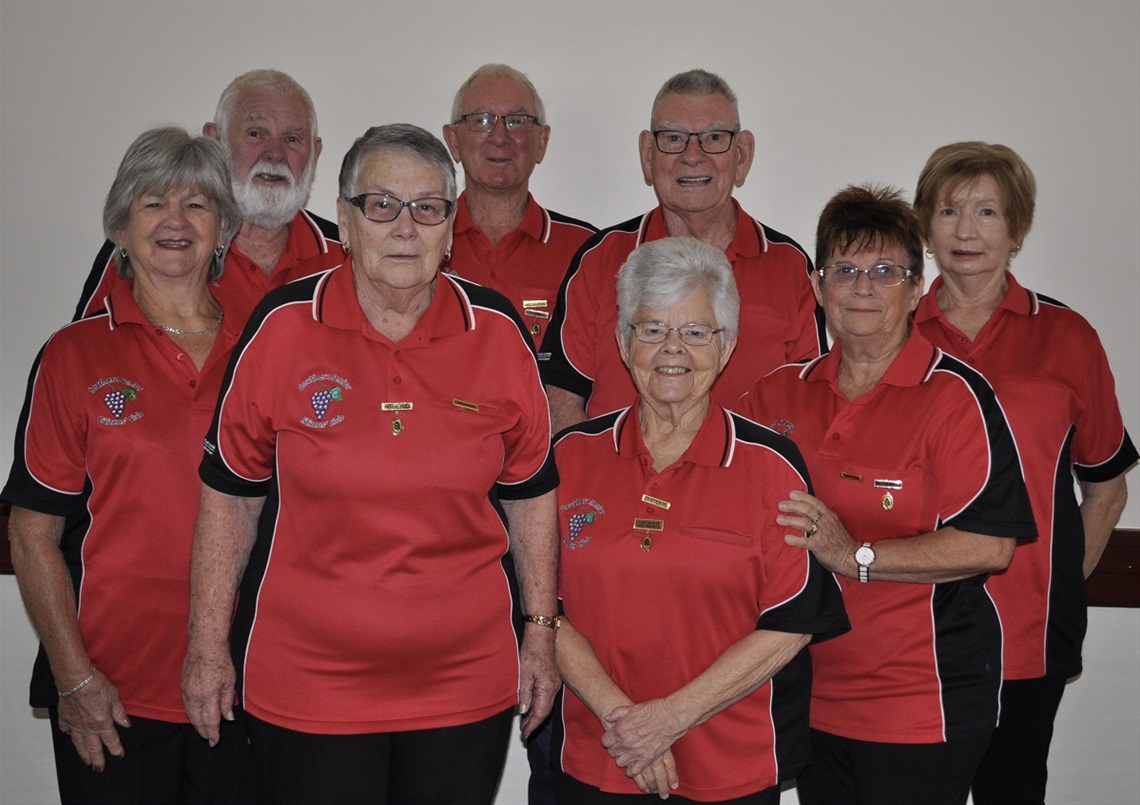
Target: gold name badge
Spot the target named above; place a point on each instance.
(646, 524)
(538, 314)
(396, 407)
(466, 406)
(658, 502)
(851, 476)
(886, 483)
(530, 304)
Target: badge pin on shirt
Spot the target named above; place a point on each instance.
(888, 498)
(396, 408)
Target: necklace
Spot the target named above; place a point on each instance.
(176, 331)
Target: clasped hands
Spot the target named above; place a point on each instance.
(639, 737)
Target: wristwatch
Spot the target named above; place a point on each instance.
(865, 557)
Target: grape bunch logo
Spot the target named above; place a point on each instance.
(323, 397)
(118, 393)
(584, 512)
(324, 392)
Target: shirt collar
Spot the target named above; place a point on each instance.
(909, 368)
(1017, 299)
(711, 447)
(535, 223)
(448, 313)
(749, 240)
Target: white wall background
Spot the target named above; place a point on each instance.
(836, 92)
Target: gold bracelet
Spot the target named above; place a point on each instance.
(545, 620)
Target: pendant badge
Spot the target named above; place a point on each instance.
(396, 408)
(888, 501)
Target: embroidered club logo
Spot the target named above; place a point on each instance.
(585, 512)
(783, 427)
(323, 391)
(118, 393)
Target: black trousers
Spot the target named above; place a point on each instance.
(569, 791)
(1015, 768)
(849, 772)
(446, 766)
(163, 763)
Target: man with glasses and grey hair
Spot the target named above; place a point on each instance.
(268, 125)
(503, 238)
(693, 155)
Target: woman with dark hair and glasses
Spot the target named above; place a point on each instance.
(918, 498)
(685, 612)
(380, 444)
(975, 205)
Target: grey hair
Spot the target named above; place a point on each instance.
(403, 137)
(165, 159)
(660, 273)
(697, 82)
(273, 80)
(497, 71)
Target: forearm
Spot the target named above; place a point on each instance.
(740, 670)
(936, 557)
(583, 673)
(945, 555)
(1101, 507)
(533, 527)
(223, 537)
(45, 585)
(566, 408)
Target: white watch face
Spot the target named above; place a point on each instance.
(865, 556)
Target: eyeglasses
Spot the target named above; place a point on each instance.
(485, 122)
(655, 332)
(716, 141)
(382, 208)
(884, 275)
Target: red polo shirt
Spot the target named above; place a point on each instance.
(1054, 383)
(375, 599)
(109, 438)
(526, 265)
(927, 447)
(778, 321)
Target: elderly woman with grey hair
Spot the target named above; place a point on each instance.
(380, 444)
(681, 602)
(104, 489)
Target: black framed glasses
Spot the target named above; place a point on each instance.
(715, 141)
(693, 334)
(382, 208)
(885, 275)
(485, 122)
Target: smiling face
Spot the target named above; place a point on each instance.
(274, 153)
(674, 373)
(399, 256)
(497, 160)
(693, 181)
(865, 310)
(171, 235)
(969, 233)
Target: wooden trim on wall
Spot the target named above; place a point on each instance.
(1114, 583)
(1116, 580)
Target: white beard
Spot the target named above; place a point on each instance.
(270, 206)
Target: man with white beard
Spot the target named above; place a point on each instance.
(268, 124)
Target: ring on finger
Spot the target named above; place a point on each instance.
(814, 528)
(818, 517)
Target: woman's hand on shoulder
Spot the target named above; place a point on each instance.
(819, 530)
(89, 716)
